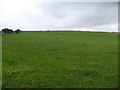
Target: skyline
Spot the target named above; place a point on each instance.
(36, 15)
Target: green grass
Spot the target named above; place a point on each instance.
(63, 59)
(0, 60)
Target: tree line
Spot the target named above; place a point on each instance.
(6, 30)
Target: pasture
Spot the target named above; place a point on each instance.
(0, 60)
(60, 59)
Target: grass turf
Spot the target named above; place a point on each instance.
(0, 60)
(60, 59)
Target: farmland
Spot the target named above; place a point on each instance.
(0, 61)
(60, 59)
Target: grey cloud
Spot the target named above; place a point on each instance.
(88, 14)
(69, 15)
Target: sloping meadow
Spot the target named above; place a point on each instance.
(60, 59)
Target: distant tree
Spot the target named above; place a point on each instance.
(17, 31)
(6, 30)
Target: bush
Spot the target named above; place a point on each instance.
(6, 30)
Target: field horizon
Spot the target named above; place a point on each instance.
(60, 59)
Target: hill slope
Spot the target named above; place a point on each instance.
(60, 60)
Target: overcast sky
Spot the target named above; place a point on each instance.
(36, 15)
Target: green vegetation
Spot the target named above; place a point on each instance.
(0, 60)
(65, 59)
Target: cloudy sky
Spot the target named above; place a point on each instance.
(36, 15)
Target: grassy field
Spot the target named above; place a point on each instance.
(0, 61)
(63, 59)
